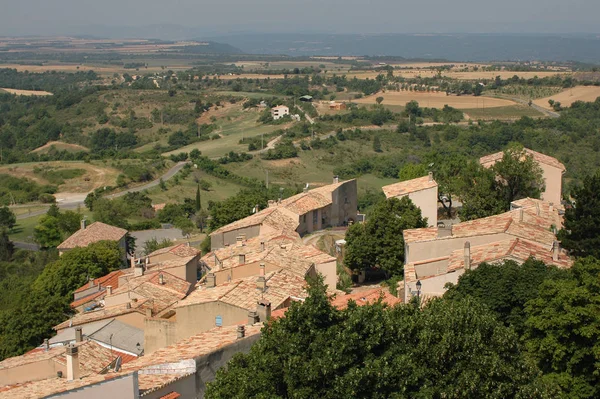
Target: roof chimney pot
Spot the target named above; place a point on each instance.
(467, 254)
(83, 224)
(264, 310)
(108, 290)
(262, 269)
(551, 207)
(161, 279)
(261, 283)
(336, 179)
(430, 176)
(252, 317)
(78, 334)
(211, 280)
(262, 246)
(72, 363)
(241, 331)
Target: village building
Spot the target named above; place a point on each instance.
(435, 256)
(182, 261)
(88, 296)
(93, 233)
(312, 210)
(275, 253)
(552, 172)
(279, 112)
(335, 106)
(423, 192)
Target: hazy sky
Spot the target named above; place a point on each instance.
(19, 17)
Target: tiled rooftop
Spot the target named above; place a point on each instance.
(538, 156)
(111, 279)
(284, 216)
(516, 249)
(95, 232)
(409, 186)
(366, 297)
(244, 293)
(181, 250)
(101, 314)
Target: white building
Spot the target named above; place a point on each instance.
(279, 111)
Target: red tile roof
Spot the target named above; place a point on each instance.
(538, 156)
(172, 395)
(181, 250)
(111, 279)
(408, 186)
(95, 232)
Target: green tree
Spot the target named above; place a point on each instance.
(372, 351)
(111, 212)
(47, 233)
(69, 222)
(376, 144)
(563, 330)
(7, 218)
(378, 242)
(479, 192)
(379, 100)
(153, 244)
(581, 232)
(198, 203)
(519, 175)
(7, 248)
(412, 171)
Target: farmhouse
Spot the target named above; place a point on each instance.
(312, 210)
(552, 173)
(279, 112)
(423, 192)
(335, 106)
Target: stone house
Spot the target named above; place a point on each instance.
(423, 192)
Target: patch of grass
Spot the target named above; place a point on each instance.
(510, 112)
(58, 176)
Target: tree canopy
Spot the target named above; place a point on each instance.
(446, 350)
(378, 242)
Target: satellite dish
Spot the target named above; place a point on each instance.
(118, 363)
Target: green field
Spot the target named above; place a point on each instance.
(510, 112)
(237, 125)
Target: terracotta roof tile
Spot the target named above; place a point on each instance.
(366, 297)
(408, 186)
(95, 232)
(181, 250)
(101, 314)
(538, 156)
(111, 279)
(171, 395)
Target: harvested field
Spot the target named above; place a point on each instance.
(26, 92)
(503, 74)
(95, 176)
(60, 146)
(569, 96)
(435, 100)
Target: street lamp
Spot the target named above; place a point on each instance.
(419, 289)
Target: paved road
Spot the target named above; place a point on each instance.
(78, 202)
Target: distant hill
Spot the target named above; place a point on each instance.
(457, 47)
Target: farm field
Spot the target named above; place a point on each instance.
(103, 70)
(26, 92)
(569, 96)
(95, 175)
(435, 100)
(511, 112)
(234, 125)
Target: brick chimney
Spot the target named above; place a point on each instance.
(78, 334)
(241, 331)
(467, 253)
(83, 224)
(263, 310)
(211, 280)
(72, 363)
(555, 250)
(108, 290)
(252, 317)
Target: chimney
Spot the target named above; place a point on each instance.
(252, 317)
(132, 262)
(264, 310)
(128, 306)
(241, 259)
(261, 283)
(241, 331)
(211, 280)
(262, 246)
(83, 224)
(336, 179)
(240, 241)
(78, 334)
(430, 176)
(551, 207)
(108, 290)
(161, 279)
(467, 251)
(138, 270)
(91, 280)
(555, 250)
(72, 363)
(262, 270)
(46, 344)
